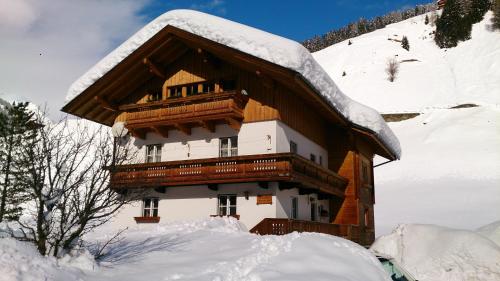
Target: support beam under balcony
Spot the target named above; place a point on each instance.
(138, 133)
(161, 130)
(234, 123)
(208, 125)
(183, 128)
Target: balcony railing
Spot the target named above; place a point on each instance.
(282, 167)
(275, 226)
(209, 107)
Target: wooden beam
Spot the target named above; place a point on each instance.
(153, 68)
(183, 128)
(105, 104)
(138, 133)
(233, 123)
(162, 131)
(263, 184)
(208, 125)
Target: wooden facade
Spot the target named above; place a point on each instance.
(177, 81)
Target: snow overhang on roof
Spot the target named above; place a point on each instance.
(272, 48)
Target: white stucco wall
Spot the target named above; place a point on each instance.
(196, 202)
(305, 146)
(253, 138)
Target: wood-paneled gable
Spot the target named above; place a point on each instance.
(268, 98)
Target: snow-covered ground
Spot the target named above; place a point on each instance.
(211, 249)
(449, 173)
(436, 253)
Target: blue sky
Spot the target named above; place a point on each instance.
(294, 19)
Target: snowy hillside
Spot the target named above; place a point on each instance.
(429, 77)
(211, 249)
(449, 173)
(435, 253)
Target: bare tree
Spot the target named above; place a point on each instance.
(66, 171)
(392, 69)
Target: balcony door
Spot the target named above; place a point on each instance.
(228, 147)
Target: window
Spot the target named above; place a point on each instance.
(175, 92)
(293, 147)
(367, 217)
(150, 207)
(313, 157)
(321, 160)
(153, 153)
(228, 147)
(227, 205)
(313, 211)
(228, 85)
(208, 87)
(155, 97)
(191, 89)
(295, 208)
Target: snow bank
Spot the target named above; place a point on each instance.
(267, 46)
(435, 253)
(219, 249)
(210, 249)
(20, 261)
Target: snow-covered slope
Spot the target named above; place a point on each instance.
(449, 173)
(491, 231)
(211, 249)
(468, 73)
(435, 253)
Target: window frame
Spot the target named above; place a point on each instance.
(228, 207)
(232, 146)
(314, 211)
(157, 96)
(155, 155)
(154, 204)
(294, 148)
(312, 157)
(294, 208)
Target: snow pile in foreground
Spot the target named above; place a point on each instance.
(258, 43)
(218, 249)
(20, 261)
(211, 249)
(435, 253)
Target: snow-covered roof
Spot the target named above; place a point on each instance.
(255, 42)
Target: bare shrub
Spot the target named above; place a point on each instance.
(392, 69)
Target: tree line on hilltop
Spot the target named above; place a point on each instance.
(452, 26)
(363, 26)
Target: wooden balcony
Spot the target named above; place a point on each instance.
(274, 226)
(281, 167)
(184, 113)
